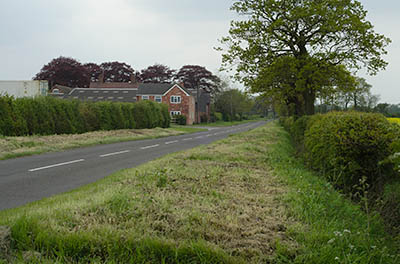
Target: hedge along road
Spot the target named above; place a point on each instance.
(29, 179)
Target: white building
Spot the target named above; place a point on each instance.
(24, 88)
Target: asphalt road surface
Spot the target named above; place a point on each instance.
(28, 179)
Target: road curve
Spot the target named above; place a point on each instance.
(28, 179)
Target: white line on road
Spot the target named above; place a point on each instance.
(209, 135)
(187, 139)
(152, 146)
(56, 165)
(171, 142)
(115, 153)
(199, 137)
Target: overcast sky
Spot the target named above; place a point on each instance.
(144, 32)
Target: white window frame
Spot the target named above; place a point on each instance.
(174, 113)
(176, 99)
(159, 98)
(145, 97)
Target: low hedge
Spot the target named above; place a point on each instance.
(49, 115)
(180, 119)
(345, 147)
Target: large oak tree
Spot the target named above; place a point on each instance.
(295, 49)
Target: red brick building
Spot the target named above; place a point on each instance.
(179, 100)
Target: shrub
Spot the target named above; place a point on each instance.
(346, 147)
(180, 119)
(217, 116)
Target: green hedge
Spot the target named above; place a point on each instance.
(180, 119)
(49, 115)
(347, 146)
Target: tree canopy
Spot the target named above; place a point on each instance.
(294, 50)
(64, 71)
(117, 71)
(197, 77)
(157, 73)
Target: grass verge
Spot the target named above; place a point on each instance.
(213, 204)
(12, 147)
(332, 229)
(231, 123)
(244, 199)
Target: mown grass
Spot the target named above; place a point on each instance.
(12, 147)
(244, 199)
(213, 204)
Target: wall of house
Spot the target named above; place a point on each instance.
(186, 107)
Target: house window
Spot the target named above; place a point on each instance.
(145, 97)
(174, 113)
(176, 99)
(158, 98)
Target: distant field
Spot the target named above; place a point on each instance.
(394, 120)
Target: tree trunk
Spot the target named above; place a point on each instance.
(309, 101)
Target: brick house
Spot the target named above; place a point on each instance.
(179, 101)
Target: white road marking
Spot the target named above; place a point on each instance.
(187, 139)
(171, 142)
(209, 135)
(114, 153)
(152, 146)
(56, 165)
(199, 137)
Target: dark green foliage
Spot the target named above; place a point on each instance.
(180, 119)
(11, 121)
(48, 115)
(349, 146)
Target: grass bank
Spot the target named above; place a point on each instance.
(231, 123)
(244, 199)
(12, 147)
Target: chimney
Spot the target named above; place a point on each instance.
(182, 84)
(101, 77)
(133, 78)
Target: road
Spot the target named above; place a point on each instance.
(28, 179)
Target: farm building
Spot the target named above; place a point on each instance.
(19, 89)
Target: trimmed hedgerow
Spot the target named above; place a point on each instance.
(48, 115)
(348, 146)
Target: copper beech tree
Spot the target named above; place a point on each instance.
(64, 71)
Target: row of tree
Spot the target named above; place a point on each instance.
(297, 52)
(70, 72)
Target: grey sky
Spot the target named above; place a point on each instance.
(144, 32)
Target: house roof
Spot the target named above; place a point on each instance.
(157, 88)
(104, 94)
(113, 85)
(61, 89)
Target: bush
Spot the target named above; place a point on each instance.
(346, 147)
(180, 119)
